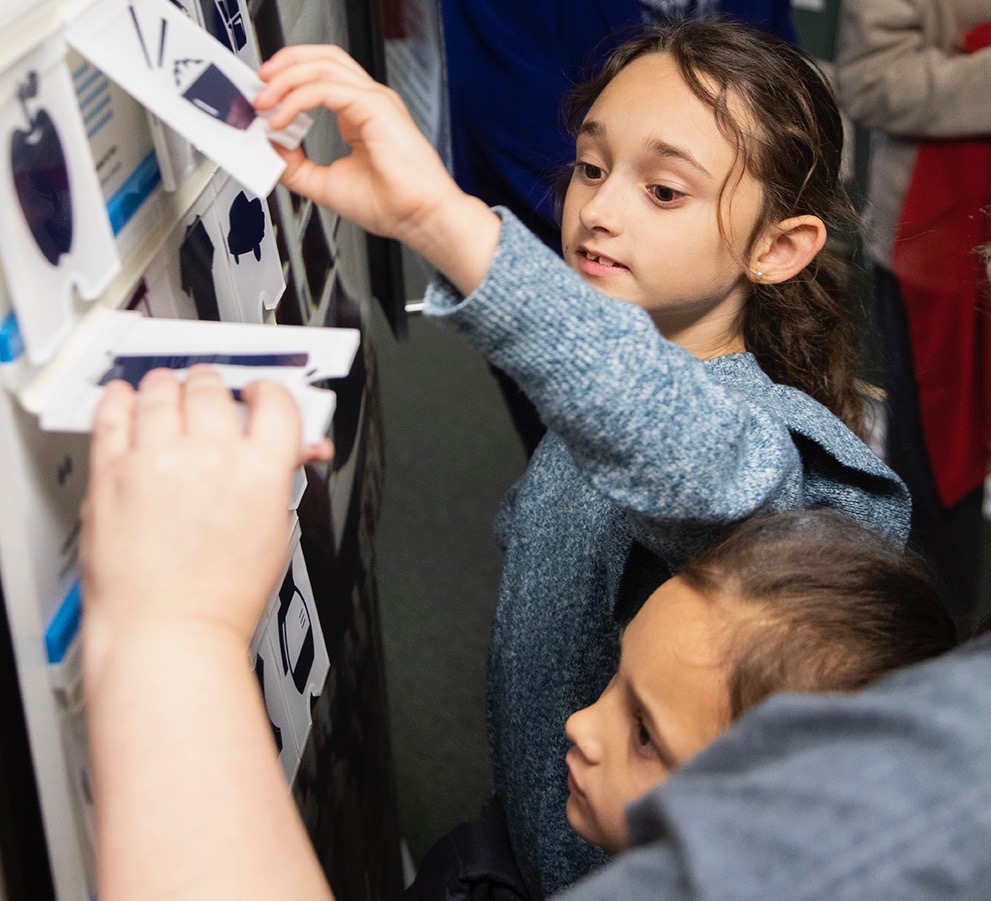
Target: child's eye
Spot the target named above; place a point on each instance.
(665, 194)
(589, 171)
(641, 737)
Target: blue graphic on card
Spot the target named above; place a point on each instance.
(134, 367)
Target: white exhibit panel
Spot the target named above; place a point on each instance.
(301, 644)
(11, 9)
(177, 159)
(189, 80)
(41, 481)
(291, 662)
(52, 479)
(189, 278)
(79, 768)
(138, 230)
(266, 667)
(123, 152)
(164, 296)
(253, 262)
(55, 237)
(197, 248)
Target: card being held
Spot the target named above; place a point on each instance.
(119, 344)
(190, 81)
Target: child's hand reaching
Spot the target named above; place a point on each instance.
(185, 525)
(393, 183)
(185, 531)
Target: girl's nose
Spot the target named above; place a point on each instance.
(581, 730)
(602, 211)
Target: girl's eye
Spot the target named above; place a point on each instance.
(644, 743)
(665, 194)
(589, 171)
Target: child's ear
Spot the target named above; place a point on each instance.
(786, 249)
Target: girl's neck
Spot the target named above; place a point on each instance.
(718, 333)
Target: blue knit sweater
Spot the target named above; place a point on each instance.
(646, 444)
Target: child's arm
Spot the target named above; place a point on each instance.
(393, 183)
(185, 530)
(646, 423)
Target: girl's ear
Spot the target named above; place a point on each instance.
(786, 249)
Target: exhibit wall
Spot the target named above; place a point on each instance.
(140, 226)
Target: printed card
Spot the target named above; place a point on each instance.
(189, 80)
(122, 344)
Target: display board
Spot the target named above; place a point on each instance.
(121, 200)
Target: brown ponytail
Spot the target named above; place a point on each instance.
(802, 332)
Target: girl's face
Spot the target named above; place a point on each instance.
(642, 211)
(668, 700)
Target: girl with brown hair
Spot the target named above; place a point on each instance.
(674, 354)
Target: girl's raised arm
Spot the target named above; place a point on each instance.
(392, 183)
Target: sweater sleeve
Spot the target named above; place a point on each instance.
(645, 422)
(889, 76)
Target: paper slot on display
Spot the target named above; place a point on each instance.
(123, 344)
(190, 81)
(55, 237)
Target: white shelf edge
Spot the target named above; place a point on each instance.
(35, 26)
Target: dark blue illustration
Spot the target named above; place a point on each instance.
(295, 633)
(133, 368)
(317, 258)
(210, 91)
(215, 94)
(224, 21)
(196, 271)
(247, 227)
(41, 178)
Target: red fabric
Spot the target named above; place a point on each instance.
(945, 291)
(978, 39)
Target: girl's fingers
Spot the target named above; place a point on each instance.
(274, 420)
(157, 414)
(334, 95)
(319, 70)
(304, 177)
(209, 406)
(300, 53)
(112, 424)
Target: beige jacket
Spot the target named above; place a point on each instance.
(899, 72)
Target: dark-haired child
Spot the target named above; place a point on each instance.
(690, 356)
(798, 602)
(805, 601)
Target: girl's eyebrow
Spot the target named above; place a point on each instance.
(669, 151)
(656, 147)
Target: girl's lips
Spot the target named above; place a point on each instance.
(573, 787)
(599, 267)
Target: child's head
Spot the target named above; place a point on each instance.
(808, 601)
(708, 159)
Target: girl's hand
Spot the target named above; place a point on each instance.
(186, 523)
(393, 183)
